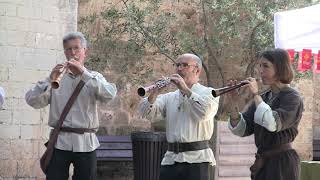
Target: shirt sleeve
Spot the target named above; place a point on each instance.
(264, 116)
(151, 111)
(289, 111)
(103, 90)
(2, 96)
(240, 129)
(39, 96)
(203, 106)
(248, 116)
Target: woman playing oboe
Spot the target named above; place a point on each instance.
(273, 117)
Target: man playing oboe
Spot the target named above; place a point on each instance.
(189, 112)
(76, 142)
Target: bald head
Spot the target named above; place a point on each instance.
(193, 57)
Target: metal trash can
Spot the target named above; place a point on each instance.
(148, 150)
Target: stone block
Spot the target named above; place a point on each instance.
(234, 171)
(30, 40)
(3, 38)
(20, 104)
(15, 38)
(8, 56)
(5, 149)
(22, 79)
(47, 41)
(8, 9)
(67, 27)
(36, 59)
(49, 27)
(28, 168)
(305, 135)
(16, 23)
(25, 149)
(29, 12)
(50, 13)
(44, 115)
(237, 149)
(42, 147)
(308, 104)
(9, 131)
(306, 119)
(8, 168)
(3, 20)
(7, 104)
(15, 2)
(316, 118)
(16, 89)
(304, 150)
(67, 17)
(30, 131)
(316, 132)
(69, 6)
(5, 117)
(236, 160)
(229, 138)
(45, 131)
(61, 58)
(27, 117)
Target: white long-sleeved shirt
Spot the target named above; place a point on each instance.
(2, 95)
(264, 116)
(83, 113)
(187, 120)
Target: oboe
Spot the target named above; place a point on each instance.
(223, 90)
(55, 81)
(142, 91)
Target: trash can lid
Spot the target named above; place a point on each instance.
(148, 136)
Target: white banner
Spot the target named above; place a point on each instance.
(298, 29)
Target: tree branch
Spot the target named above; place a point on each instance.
(210, 51)
(147, 35)
(252, 51)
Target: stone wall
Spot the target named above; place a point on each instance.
(303, 142)
(316, 107)
(30, 45)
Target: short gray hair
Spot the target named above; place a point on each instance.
(76, 35)
(194, 57)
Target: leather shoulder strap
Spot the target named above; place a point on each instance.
(53, 138)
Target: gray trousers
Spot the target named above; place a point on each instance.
(187, 171)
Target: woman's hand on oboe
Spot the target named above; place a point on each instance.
(253, 85)
(254, 88)
(232, 99)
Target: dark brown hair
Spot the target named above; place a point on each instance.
(280, 60)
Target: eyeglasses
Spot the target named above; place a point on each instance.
(75, 49)
(183, 65)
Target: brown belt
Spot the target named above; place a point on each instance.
(262, 157)
(188, 146)
(77, 130)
